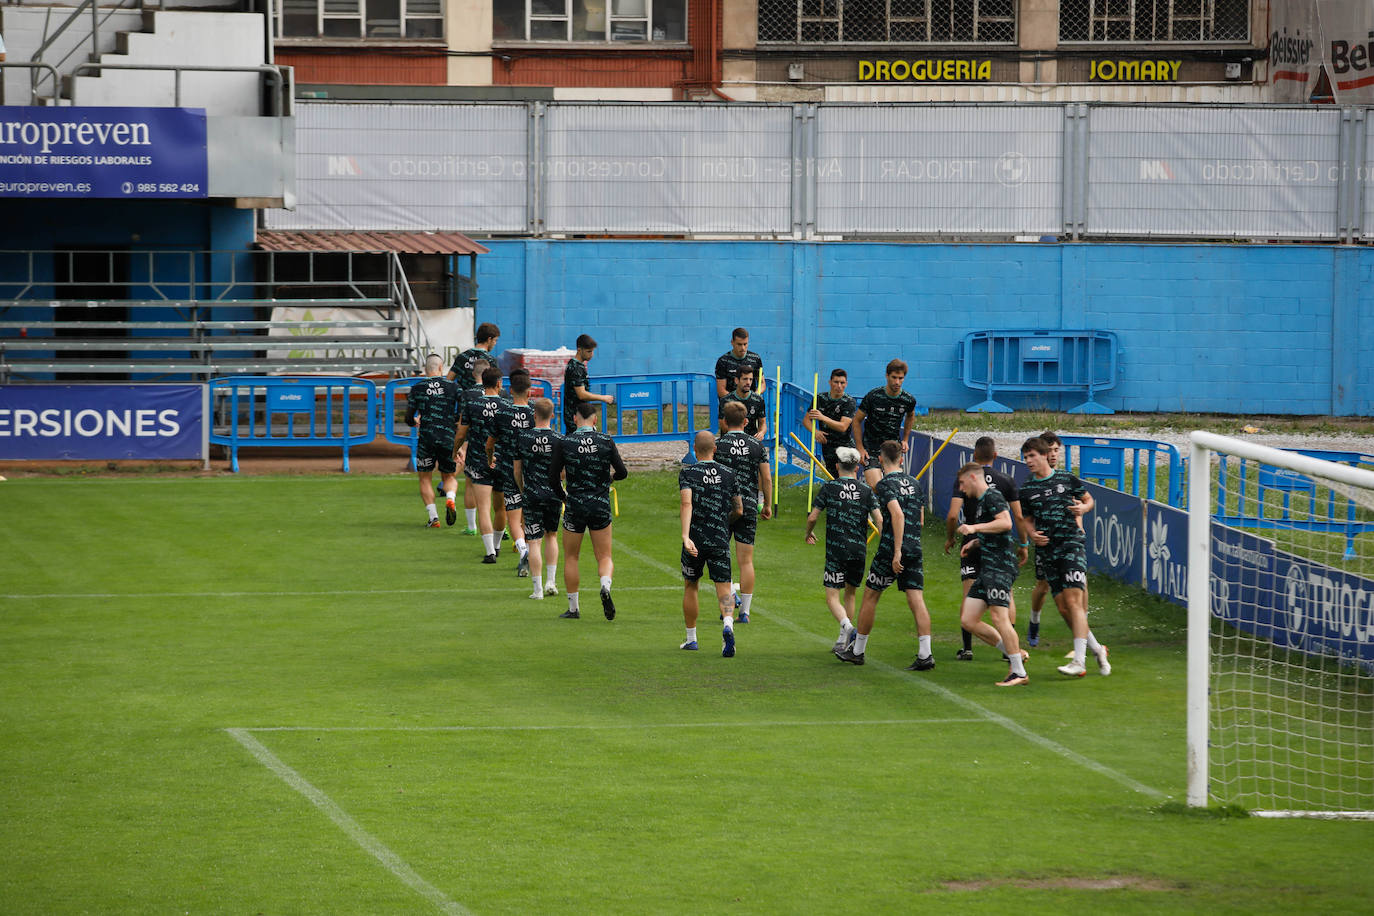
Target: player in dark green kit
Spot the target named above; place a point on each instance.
(513, 417)
(591, 461)
(738, 362)
(710, 503)
(755, 408)
(575, 380)
(470, 394)
(831, 418)
(464, 370)
(898, 560)
(543, 508)
(989, 521)
(433, 405)
(885, 413)
(747, 460)
(1053, 503)
(475, 425)
(1042, 588)
(848, 505)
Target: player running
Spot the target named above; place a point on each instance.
(747, 460)
(591, 461)
(542, 506)
(1054, 502)
(513, 417)
(1042, 588)
(989, 521)
(902, 500)
(831, 419)
(885, 413)
(433, 405)
(475, 425)
(710, 504)
(847, 503)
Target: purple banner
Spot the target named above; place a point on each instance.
(101, 422)
(102, 152)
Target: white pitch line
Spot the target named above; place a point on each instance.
(944, 693)
(373, 846)
(618, 726)
(368, 591)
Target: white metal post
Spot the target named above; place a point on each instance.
(1199, 601)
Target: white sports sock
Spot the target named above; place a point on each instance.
(1017, 666)
(521, 546)
(860, 643)
(606, 583)
(1079, 645)
(1093, 644)
(1035, 616)
(572, 602)
(433, 512)
(489, 542)
(729, 621)
(923, 646)
(744, 602)
(691, 634)
(1001, 647)
(537, 582)
(472, 517)
(845, 627)
(451, 495)
(551, 573)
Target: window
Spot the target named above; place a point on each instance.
(361, 19)
(887, 21)
(590, 20)
(1154, 20)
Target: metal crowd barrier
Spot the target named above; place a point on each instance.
(1127, 463)
(657, 408)
(391, 414)
(1039, 362)
(292, 411)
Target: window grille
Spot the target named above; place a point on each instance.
(589, 20)
(887, 21)
(1154, 20)
(361, 19)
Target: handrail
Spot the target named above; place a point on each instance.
(273, 72)
(96, 22)
(33, 65)
(410, 312)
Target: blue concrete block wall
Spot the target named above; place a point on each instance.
(1224, 328)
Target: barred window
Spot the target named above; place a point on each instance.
(1154, 20)
(589, 20)
(360, 19)
(894, 21)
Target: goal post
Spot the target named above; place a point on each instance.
(1280, 644)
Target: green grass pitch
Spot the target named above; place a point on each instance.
(284, 695)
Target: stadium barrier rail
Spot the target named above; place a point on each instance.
(258, 411)
(1036, 362)
(1128, 463)
(391, 411)
(657, 408)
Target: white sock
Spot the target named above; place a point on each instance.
(923, 646)
(451, 496)
(1001, 647)
(691, 634)
(572, 602)
(1035, 616)
(1017, 666)
(845, 627)
(1093, 644)
(551, 573)
(605, 583)
(1079, 645)
(729, 621)
(489, 542)
(472, 517)
(521, 546)
(860, 643)
(538, 583)
(744, 602)
(433, 512)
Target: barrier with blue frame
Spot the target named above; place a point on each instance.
(1256, 486)
(657, 408)
(391, 415)
(292, 411)
(1127, 463)
(796, 401)
(1039, 362)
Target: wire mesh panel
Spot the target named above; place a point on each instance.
(668, 168)
(398, 166)
(1154, 20)
(1213, 173)
(939, 170)
(872, 21)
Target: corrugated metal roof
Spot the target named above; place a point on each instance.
(404, 242)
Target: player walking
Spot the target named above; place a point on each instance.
(542, 506)
(513, 417)
(990, 524)
(710, 503)
(831, 418)
(755, 409)
(847, 503)
(1054, 503)
(902, 500)
(464, 370)
(475, 425)
(591, 461)
(1042, 588)
(747, 460)
(433, 405)
(575, 380)
(740, 360)
(885, 413)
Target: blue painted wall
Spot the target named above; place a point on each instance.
(1225, 328)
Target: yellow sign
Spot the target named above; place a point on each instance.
(1135, 71)
(925, 71)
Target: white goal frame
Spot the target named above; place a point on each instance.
(1199, 588)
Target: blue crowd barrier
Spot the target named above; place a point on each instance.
(657, 408)
(1039, 362)
(1127, 463)
(292, 411)
(391, 414)
(796, 401)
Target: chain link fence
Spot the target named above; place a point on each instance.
(883, 21)
(1154, 20)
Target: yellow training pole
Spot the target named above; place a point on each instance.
(811, 476)
(822, 469)
(615, 502)
(777, 434)
(937, 454)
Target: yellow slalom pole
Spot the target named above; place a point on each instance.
(777, 440)
(820, 468)
(811, 476)
(615, 502)
(937, 454)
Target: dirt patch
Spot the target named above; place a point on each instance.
(1115, 883)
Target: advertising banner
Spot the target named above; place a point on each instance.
(1112, 534)
(102, 422)
(449, 331)
(1307, 35)
(102, 152)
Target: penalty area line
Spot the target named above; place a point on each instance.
(946, 694)
(369, 843)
